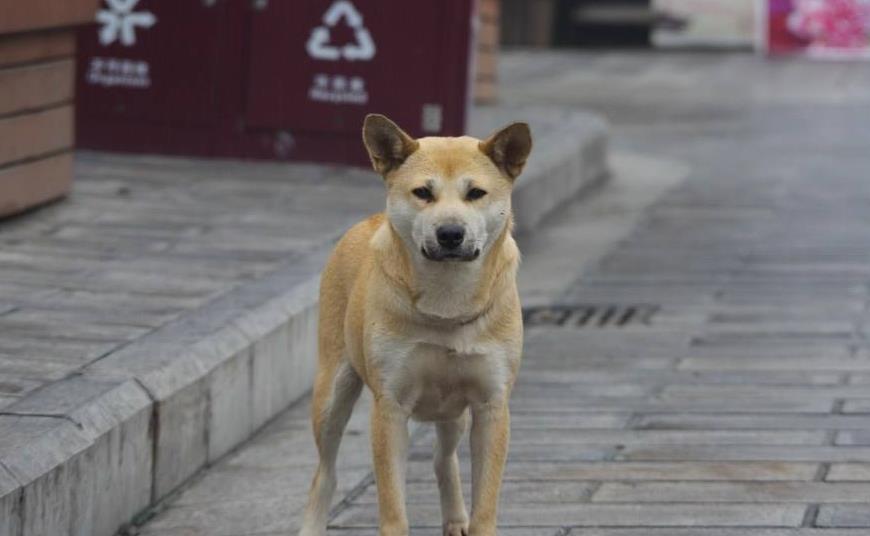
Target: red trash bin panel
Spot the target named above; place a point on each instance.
(318, 66)
(152, 62)
(277, 79)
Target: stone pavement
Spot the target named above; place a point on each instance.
(737, 404)
(167, 310)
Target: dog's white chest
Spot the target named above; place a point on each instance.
(433, 383)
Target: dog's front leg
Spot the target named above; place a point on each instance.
(453, 514)
(389, 434)
(490, 433)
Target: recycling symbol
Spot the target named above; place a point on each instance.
(318, 46)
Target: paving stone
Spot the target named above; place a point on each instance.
(859, 378)
(668, 438)
(856, 406)
(290, 484)
(512, 493)
(521, 420)
(538, 452)
(13, 385)
(13, 327)
(761, 421)
(739, 492)
(748, 452)
(844, 515)
(151, 303)
(109, 317)
(848, 472)
(62, 398)
(227, 519)
(712, 404)
(682, 377)
(755, 351)
(670, 515)
(555, 391)
(76, 353)
(752, 391)
(853, 438)
(279, 451)
(802, 364)
(26, 370)
(664, 470)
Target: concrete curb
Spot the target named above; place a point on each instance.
(85, 454)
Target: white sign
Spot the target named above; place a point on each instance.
(119, 22)
(318, 46)
(110, 72)
(338, 89)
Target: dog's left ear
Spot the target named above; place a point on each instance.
(387, 144)
(509, 148)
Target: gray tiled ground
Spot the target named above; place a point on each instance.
(742, 410)
(143, 240)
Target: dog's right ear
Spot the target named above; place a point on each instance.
(387, 144)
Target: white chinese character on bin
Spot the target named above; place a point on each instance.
(339, 83)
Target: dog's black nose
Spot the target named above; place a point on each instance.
(450, 235)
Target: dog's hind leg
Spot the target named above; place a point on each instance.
(453, 513)
(336, 390)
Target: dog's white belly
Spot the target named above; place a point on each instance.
(433, 383)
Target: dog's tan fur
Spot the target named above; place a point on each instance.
(432, 340)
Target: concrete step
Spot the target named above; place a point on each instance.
(84, 454)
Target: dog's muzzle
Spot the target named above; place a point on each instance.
(438, 254)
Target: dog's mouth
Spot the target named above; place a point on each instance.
(450, 256)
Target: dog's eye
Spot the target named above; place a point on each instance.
(423, 193)
(475, 194)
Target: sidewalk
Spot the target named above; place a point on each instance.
(737, 404)
(167, 310)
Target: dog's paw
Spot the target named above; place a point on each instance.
(456, 528)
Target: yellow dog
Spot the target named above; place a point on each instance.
(420, 304)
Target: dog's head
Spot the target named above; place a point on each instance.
(449, 199)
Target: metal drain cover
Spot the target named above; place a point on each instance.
(591, 315)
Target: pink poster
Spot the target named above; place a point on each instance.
(819, 28)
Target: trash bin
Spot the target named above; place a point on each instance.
(270, 79)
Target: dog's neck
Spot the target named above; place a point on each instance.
(449, 293)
